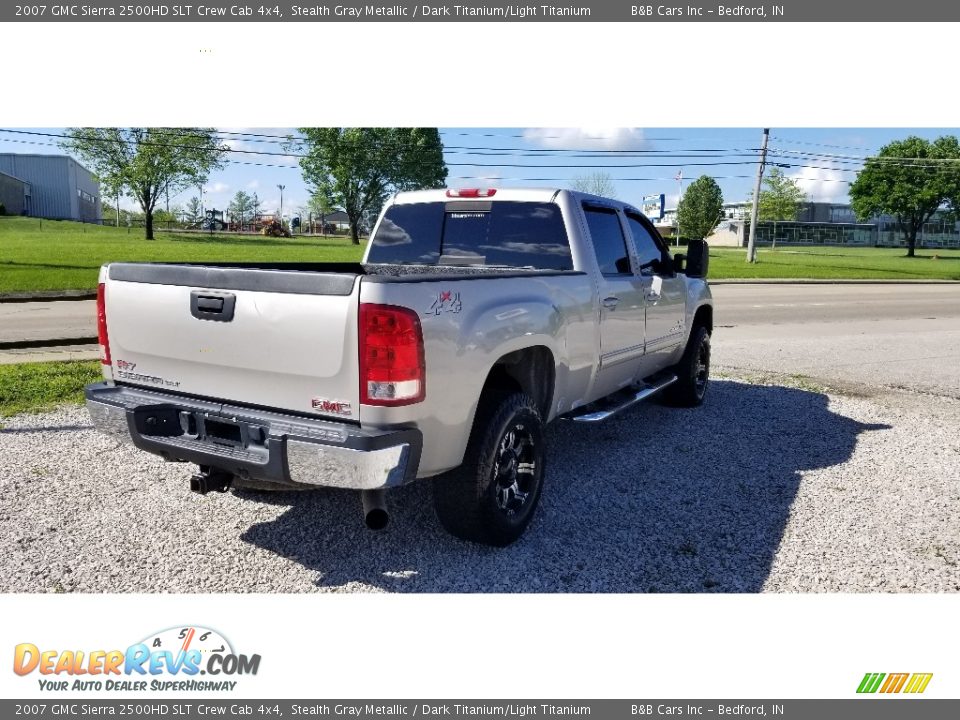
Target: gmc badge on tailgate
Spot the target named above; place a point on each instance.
(336, 407)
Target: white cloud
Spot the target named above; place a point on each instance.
(253, 184)
(823, 185)
(217, 187)
(588, 138)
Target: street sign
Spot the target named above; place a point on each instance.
(653, 206)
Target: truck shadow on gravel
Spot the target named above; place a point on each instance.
(655, 500)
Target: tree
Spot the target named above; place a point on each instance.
(321, 207)
(240, 206)
(113, 216)
(596, 183)
(699, 211)
(780, 199)
(108, 211)
(193, 211)
(356, 168)
(162, 217)
(910, 179)
(145, 163)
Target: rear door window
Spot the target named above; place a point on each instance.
(497, 234)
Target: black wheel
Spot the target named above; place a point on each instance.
(693, 372)
(491, 498)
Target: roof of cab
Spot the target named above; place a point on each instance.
(516, 194)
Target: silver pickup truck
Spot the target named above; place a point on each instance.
(475, 318)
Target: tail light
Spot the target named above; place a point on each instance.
(392, 369)
(102, 336)
(471, 192)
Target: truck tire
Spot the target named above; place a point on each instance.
(693, 372)
(491, 498)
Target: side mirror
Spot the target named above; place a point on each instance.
(678, 262)
(698, 258)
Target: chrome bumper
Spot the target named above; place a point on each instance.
(257, 444)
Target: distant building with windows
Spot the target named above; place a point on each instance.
(821, 224)
(52, 186)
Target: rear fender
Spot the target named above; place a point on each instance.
(495, 331)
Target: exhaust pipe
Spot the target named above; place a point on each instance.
(375, 513)
(209, 480)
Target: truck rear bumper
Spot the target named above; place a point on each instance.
(253, 443)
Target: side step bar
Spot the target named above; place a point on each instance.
(620, 405)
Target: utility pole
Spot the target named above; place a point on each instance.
(281, 203)
(118, 208)
(679, 198)
(751, 243)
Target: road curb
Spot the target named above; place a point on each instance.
(62, 342)
(49, 296)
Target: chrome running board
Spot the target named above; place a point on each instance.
(630, 400)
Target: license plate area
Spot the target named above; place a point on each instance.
(223, 433)
(171, 421)
(231, 432)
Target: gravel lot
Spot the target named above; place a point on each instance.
(765, 488)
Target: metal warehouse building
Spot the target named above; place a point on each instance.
(57, 187)
(14, 194)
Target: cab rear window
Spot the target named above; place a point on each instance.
(492, 234)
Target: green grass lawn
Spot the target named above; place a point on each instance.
(35, 387)
(53, 255)
(847, 263)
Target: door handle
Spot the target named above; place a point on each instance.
(652, 296)
(212, 306)
(611, 302)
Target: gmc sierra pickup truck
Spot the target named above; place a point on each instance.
(475, 318)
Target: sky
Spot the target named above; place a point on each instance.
(641, 161)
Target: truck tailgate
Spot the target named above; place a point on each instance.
(273, 338)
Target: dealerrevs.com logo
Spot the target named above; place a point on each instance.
(176, 659)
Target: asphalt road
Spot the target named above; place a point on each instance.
(892, 336)
(59, 320)
(786, 303)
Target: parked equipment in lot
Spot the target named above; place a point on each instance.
(476, 317)
(274, 228)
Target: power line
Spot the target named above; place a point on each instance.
(541, 152)
(480, 152)
(512, 179)
(863, 160)
(835, 160)
(229, 162)
(286, 139)
(787, 154)
(804, 142)
(149, 143)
